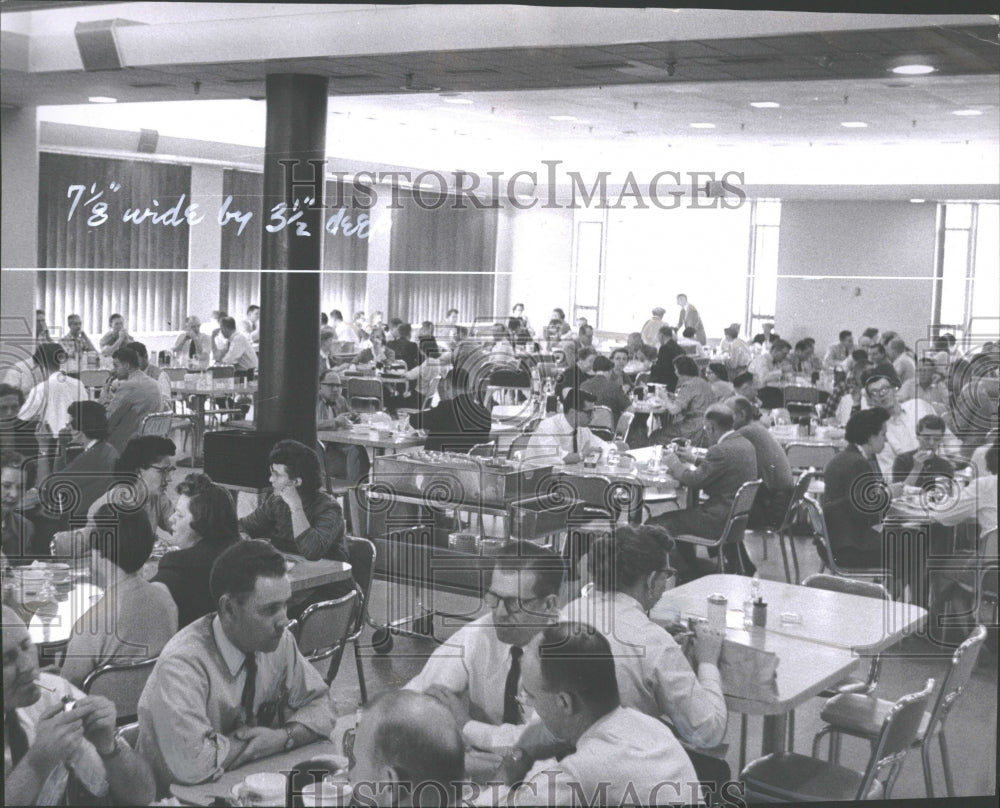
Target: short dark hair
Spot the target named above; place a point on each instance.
(124, 538)
(126, 355)
(602, 363)
(719, 370)
(865, 424)
(451, 312)
(573, 398)
(404, 330)
(526, 556)
(931, 421)
(688, 332)
(236, 570)
(139, 348)
(114, 317)
(586, 328)
(617, 351)
(141, 452)
(337, 314)
(719, 415)
(685, 366)
(301, 462)
(780, 345)
(621, 561)
(742, 379)
(878, 347)
(870, 376)
(229, 323)
(742, 406)
(869, 332)
(844, 335)
(560, 312)
(252, 308)
(11, 460)
(90, 418)
(576, 658)
(213, 516)
(666, 331)
(394, 321)
(802, 345)
(927, 361)
(11, 390)
(323, 319)
(49, 355)
(859, 355)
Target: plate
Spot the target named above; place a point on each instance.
(239, 795)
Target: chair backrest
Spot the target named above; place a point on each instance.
(176, 374)
(624, 425)
(848, 586)
(488, 449)
(129, 733)
(365, 403)
(324, 625)
(963, 662)
(801, 395)
(739, 513)
(156, 423)
(795, 503)
(223, 371)
(93, 378)
(362, 554)
(122, 683)
(810, 455)
(360, 386)
(601, 418)
(508, 378)
(899, 730)
(519, 444)
(642, 378)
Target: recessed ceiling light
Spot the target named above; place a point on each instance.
(457, 100)
(917, 201)
(913, 70)
(562, 118)
(102, 99)
(765, 104)
(854, 124)
(703, 126)
(967, 112)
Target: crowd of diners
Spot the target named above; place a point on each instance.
(549, 686)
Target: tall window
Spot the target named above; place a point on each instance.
(762, 279)
(968, 274)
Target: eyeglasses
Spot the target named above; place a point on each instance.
(331, 384)
(879, 392)
(166, 471)
(513, 605)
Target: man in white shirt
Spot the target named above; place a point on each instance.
(117, 337)
(251, 326)
(565, 435)
(621, 756)
(650, 330)
(902, 362)
(49, 400)
(76, 341)
(838, 353)
(925, 386)
(240, 353)
(481, 662)
(766, 367)
(735, 351)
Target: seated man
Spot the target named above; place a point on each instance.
(19, 542)
(407, 751)
(766, 366)
(117, 337)
(606, 391)
(838, 354)
(193, 347)
(925, 386)
(157, 374)
(332, 412)
(135, 396)
(53, 754)
(17, 435)
(403, 348)
(458, 422)
(730, 462)
(76, 342)
(240, 352)
(620, 756)
(233, 687)
(565, 435)
(772, 465)
(924, 465)
(476, 673)
(298, 517)
(47, 401)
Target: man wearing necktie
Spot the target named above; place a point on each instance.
(477, 672)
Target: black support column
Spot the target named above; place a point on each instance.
(292, 256)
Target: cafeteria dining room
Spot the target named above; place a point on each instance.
(502, 404)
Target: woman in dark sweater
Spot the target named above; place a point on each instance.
(204, 524)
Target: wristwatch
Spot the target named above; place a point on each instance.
(289, 739)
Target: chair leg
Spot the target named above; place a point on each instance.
(817, 739)
(835, 747)
(784, 556)
(743, 741)
(790, 746)
(767, 535)
(925, 759)
(948, 784)
(361, 672)
(795, 558)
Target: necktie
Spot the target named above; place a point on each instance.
(16, 737)
(575, 442)
(511, 706)
(193, 349)
(249, 690)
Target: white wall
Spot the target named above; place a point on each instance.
(853, 265)
(19, 190)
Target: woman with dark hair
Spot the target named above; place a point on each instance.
(379, 352)
(687, 407)
(204, 524)
(717, 375)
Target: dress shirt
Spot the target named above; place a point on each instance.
(736, 353)
(191, 703)
(324, 538)
(654, 676)
(936, 394)
(241, 353)
(48, 401)
(651, 331)
(111, 342)
(835, 356)
(763, 370)
(202, 346)
(85, 763)
(977, 501)
(901, 433)
(905, 368)
(75, 345)
(252, 330)
(554, 437)
(162, 380)
(624, 758)
(24, 374)
(136, 397)
(475, 663)
(133, 621)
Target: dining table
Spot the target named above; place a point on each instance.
(380, 438)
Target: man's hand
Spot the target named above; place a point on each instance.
(290, 494)
(342, 421)
(98, 715)
(572, 457)
(455, 703)
(920, 457)
(707, 644)
(58, 735)
(261, 742)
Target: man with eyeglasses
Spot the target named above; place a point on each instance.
(333, 412)
(566, 435)
(477, 672)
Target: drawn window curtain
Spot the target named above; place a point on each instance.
(343, 283)
(440, 259)
(150, 301)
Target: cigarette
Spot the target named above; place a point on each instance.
(43, 687)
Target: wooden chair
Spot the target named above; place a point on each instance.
(735, 527)
(122, 683)
(810, 456)
(322, 630)
(861, 715)
(789, 777)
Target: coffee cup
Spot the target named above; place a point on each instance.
(265, 788)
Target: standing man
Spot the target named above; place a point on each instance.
(76, 342)
(135, 397)
(689, 318)
(332, 412)
(240, 353)
(117, 337)
(650, 330)
(663, 371)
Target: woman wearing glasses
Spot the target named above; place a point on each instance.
(630, 575)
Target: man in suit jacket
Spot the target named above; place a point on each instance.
(404, 349)
(730, 462)
(690, 319)
(136, 396)
(663, 371)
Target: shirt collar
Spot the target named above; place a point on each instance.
(90, 444)
(725, 435)
(233, 656)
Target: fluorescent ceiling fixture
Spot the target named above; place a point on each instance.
(457, 100)
(562, 118)
(967, 112)
(917, 201)
(913, 70)
(765, 104)
(703, 126)
(854, 124)
(102, 99)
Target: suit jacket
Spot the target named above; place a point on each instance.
(185, 573)
(455, 425)
(726, 466)
(407, 351)
(136, 398)
(663, 371)
(691, 319)
(89, 474)
(849, 525)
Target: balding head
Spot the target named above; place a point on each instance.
(407, 750)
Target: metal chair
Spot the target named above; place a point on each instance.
(488, 449)
(511, 385)
(519, 444)
(129, 733)
(322, 630)
(623, 426)
(222, 372)
(365, 395)
(361, 553)
(800, 399)
(814, 513)
(788, 522)
(789, 777)
(122, 683)
(736, 524)
(810, 456)
(602, 423)
(163, 423)
(861, 715)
